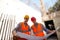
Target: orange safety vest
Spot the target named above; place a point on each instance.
(38, 31)
(25, 28)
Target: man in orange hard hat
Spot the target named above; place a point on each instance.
(38, 28)
(22, 27)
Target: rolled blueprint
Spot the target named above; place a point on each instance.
(30, 37)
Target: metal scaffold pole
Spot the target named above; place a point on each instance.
(7, 24)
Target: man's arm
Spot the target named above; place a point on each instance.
(46, 30)
(16, 29)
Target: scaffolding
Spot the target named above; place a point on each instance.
(7, 23)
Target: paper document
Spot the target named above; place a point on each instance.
(30, 37)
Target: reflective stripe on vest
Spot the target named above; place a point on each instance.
(24, 28)
(38, 31)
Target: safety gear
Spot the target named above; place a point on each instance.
(38, 31)
(24, 28)
(33, 19)
(26, 17)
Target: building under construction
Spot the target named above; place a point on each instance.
(12, 13)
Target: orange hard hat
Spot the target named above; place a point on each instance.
(33, 19)
(26, 16)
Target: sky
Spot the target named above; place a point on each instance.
(47, 3)
(19, 9)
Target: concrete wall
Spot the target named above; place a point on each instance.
(57, 22)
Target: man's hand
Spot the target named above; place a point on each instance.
(50, 31)
(14, 33)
